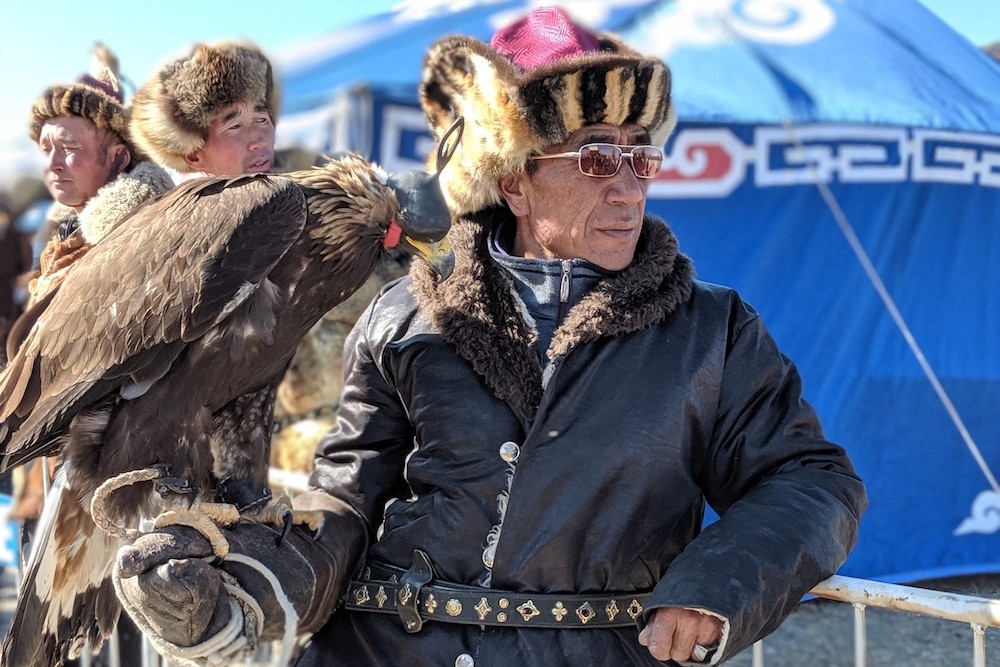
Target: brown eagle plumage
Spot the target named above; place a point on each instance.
(164, 347)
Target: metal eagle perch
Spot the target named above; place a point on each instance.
(153, 367)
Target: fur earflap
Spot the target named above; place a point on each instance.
(171, 113)
(512, 114)
(96, 97)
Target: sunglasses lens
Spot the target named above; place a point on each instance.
(600, 159)
(646, 161)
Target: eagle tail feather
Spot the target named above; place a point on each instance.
(67, 597)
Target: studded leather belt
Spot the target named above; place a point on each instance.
(414, 597)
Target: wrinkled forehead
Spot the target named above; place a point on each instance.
(65, 128)
(628, 134)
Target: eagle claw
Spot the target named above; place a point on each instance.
(286, 528)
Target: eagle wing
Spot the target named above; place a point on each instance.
(164, 277)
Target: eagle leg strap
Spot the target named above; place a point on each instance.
(111, 485)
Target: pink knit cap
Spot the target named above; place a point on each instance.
(544, 36)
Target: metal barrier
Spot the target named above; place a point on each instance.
(978, 612)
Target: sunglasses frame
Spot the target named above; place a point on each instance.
(622, 154)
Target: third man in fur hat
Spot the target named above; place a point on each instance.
(523, 454)
(96, 177)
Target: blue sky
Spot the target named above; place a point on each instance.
(49, 41)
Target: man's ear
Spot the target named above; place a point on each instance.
(194, 160)
(512, 189)
(121, 158)
(125, 155)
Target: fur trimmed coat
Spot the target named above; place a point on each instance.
(108, 207)
(660, 394)
(103, 212)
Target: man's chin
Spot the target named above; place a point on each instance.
(64, 197)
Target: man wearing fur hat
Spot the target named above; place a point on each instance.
(209, 112)
(213, 111)
(96, 177)
(92, 170)
(523, 453)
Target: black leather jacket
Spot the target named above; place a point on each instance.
(661, 393)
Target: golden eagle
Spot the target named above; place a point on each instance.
(163, 350)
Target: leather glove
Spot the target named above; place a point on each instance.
(165, 576)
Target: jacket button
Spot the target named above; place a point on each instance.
(509, 451)
(465, 660)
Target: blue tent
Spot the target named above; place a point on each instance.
(838, 162)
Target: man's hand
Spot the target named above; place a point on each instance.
(673, 632)
(166, 580)
(167, 576)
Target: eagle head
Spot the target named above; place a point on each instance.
(423, 221)
(424, 218)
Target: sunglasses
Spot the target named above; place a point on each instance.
(604, 160)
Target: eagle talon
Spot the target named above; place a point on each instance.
(318, 533)
(286, 528)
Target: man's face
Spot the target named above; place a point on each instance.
(240, 141)
(565, 214)
(78, 160)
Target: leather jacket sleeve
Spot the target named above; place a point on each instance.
(360, 461)
(789, 500)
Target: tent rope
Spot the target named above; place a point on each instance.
(852, 239)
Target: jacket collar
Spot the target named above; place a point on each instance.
(478, 312)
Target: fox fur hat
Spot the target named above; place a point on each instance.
(539, 80)
(96, 97)
(172, 111)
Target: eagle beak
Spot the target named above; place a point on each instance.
(437, 254)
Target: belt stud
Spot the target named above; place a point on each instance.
(483, 608)
(585, 612)
(528, 610)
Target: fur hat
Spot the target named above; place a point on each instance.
(96, 97)
(171, 113)
(540, 80)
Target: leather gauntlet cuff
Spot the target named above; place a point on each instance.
(165, 575)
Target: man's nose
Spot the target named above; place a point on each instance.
(626, 187)
(260, 137)
(54, 161)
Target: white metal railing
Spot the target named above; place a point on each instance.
(980, 613)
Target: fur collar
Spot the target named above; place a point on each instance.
(477, 309)
(118, 198)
